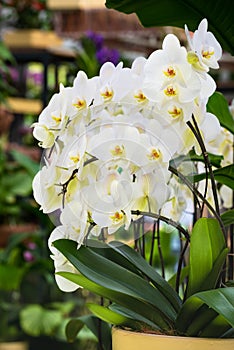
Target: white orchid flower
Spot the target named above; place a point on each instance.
(168, 75)
(113, 83)
(205, 49)
(61, 264)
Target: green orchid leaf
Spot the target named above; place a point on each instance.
(212, 277)
(184, 273)
(207, 255)
(140, 263)
(110, 316)
(221, 300)
(224, 176)
(126, 257)
(218, 105)
(141, 322)
(109, 273)
(215, 159)
(228, 217)
(208, 314)
(108, 251)
(178, 13)
(153, 318)
(218, 326)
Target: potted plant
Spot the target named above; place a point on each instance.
(27, 23)
(137, 150)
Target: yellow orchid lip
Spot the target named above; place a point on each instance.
(170, 72)
(170, 91)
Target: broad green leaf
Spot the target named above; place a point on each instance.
(221, 300)
(133, 304)
(110, 316)
(224, 176)
(178, 13)
(126, 257)
(142, 322)
(216, 328)
(35, 320)
(184, 273)
(140, 263)
(228, 217)
(207, 255)
(218, 105)
(209, 313)
(101, 270)
(215, 159)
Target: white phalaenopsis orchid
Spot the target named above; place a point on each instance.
(111, 140)
(205, 49)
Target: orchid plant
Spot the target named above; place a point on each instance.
(139, 149)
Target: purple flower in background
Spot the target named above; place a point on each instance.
(36, 77)
(96, 38)
(14, 73)
(28, 256)
(108, 55)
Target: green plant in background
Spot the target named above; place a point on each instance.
(26, 14)
(16, 174)
(5, 87)
(43, 313)
(91, 54)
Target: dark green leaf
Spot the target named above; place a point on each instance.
(142, 322)
(178, 13)
(228, 217)
(218, 105)
(112, 275)
(110, 316)
(215, 159)
(221, 300)
(184, 273)
(224, 176)
(133, 304)
(209, 313)
(140, 263)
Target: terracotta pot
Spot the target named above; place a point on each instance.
(14, 346)
(127, 340)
